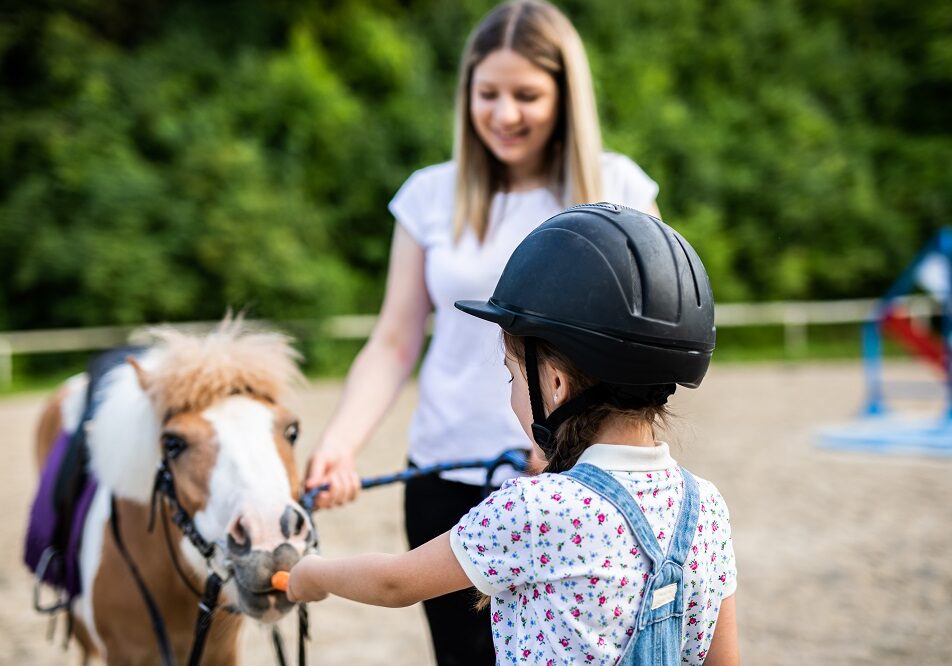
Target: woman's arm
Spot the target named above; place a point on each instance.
(382, 580)
(377, 374)
(724, 650)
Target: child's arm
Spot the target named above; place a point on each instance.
(724, 649)
(379, 579)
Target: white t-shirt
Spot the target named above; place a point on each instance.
(463, 409)
(566, 574)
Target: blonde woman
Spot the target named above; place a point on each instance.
(527, 144)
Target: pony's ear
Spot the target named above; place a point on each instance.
(144, 380)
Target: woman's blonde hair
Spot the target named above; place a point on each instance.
(544, 36)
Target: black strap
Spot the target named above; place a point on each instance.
(303, 637)
(540, 432)
(278, 643)
(544, 427)
(164, 485)
(206, 612)
(626, 397)
(304, 634)
(158, 627)
(172, 553)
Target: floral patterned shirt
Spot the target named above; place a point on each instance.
(566, 575)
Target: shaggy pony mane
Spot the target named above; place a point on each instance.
(193, 371)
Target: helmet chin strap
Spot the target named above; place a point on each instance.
(544, 427)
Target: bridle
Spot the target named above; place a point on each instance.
(216, 561)
(163, 492)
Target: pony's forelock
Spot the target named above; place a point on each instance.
(181, 372)
(194, 372)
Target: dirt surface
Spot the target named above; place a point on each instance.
(844, 558)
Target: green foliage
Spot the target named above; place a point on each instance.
(786, 135)
(163, 161)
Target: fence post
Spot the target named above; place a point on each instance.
(794, 330)
(6, 364)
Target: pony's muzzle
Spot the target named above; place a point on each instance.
(248, 531)
(252, 573)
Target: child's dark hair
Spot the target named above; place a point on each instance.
(578, 432)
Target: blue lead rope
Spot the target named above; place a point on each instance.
(515, 458)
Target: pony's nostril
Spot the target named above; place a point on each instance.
(285, 557)
(238, 539)
(292, 522)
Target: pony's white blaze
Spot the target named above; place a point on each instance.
(90, 555)
(124, 433)
(249, 478)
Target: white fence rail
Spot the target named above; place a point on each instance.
(793, 316)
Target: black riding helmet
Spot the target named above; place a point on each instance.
(620, 293)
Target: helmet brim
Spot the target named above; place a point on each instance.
(611, 359)
(488, 311)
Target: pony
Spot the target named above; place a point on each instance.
(208, 413)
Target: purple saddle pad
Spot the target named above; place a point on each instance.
(60, 566)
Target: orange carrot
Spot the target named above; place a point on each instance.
(279, 580)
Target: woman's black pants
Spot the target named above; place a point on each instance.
(461, 635)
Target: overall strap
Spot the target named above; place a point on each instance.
(686, 525)
(608, 487)
(658, 621)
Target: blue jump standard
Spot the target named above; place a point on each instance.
(880, 430)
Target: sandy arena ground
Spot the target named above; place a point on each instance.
(844, 558)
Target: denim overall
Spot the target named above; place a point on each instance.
(658, 630)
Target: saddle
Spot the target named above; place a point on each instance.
(63, 498)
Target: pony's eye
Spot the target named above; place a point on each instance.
(173, 444)
(291, 433)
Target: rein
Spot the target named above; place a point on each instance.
(515, 458)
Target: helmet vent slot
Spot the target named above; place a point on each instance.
(687, 256)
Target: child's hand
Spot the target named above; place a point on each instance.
(304, 581)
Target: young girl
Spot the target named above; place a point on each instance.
(615, 554)
(527, 145)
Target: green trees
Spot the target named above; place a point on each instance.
(166, 160)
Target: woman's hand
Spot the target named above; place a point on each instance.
(375, 378)
(336, 468)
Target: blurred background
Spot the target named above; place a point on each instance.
(164, 160)
(167, 160)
